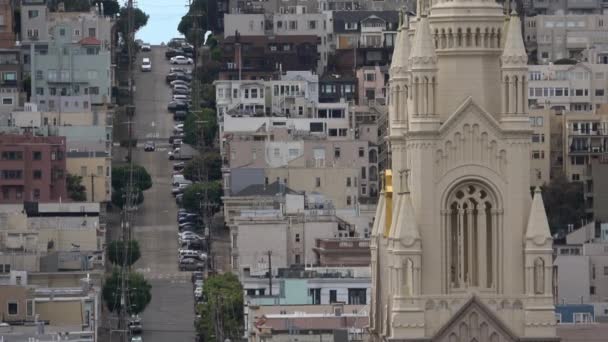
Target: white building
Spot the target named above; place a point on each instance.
(580, 87)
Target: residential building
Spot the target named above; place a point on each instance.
(7, 24)
(333, 252)
(72, 75)
(574, 314)
(307, 162)
(579, 88)
(33, 168)
(263, 57)
(553, 37)
(31, 309)
(540, 155)
(311, 296)
(545, 7)
(301, 7)
(10, 87)
(460, 175)
(295, 94)
(284, 24)
(39, 25)
(336, 87)
(372, 81)
(362, 38)
(51, 237)
(585, 142)
(95, 169)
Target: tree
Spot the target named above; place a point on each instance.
(204, 120)
(222, 293)
(194, 195)
(197, 10)
(120, 180)
(141, 177)
(207, 167)
(140, 19)
(76, 191)
(564, 203)
(138, 289)
(116, 252)
(110, 7)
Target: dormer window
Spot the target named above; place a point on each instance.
(350, 26)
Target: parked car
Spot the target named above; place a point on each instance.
(135, 326)
(180, 115)
(178, 166)
(177, 136)
(178, 69)
(181, 91)
(172, 52)
(178, 76)
(177, 143)
(183, 87)
(180, 82)
(181, 60)
(198, 292)
(150, 146)
(197, 276)
(179, 198)
(187, 47)
(191, 265)
(176, 42)
(137, 338)
(146, 64)
(179, 189)
(181, 97)
(174, 106)
(146, 47)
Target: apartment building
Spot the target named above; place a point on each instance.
(336, 87)
(39, 27)
(265, 57)
(71, 75)
(549, 7)
(552, 37)
(316, 6)
(581, 87)
(7, 24)
(372, 81)
(11, 96)
(33, 168)
(285, 24)
(540, 158)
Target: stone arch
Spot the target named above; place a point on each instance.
(468, 38)
(539, 276)
(492, 38)
(518, 305)
(373, 173)
(478, 37)
(474, 320)
(429, 305)
(453, 337)
(443, 39)
(494, 337)
(463, 331)
(373, 156)
(505, 304)
(459, 40)
(486, 38)
(450, 38)
(499, 37)
(443, 305)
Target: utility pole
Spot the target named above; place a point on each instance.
(270, 272)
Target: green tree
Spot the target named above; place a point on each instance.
(116, 252)
(222, 293)
(207, 167)
(204, 120)
(139, 292)
(76, 191)
(140, 19)
(120, 180)
(198, 10)
(121, 177)
(564, 203)
(195, 194)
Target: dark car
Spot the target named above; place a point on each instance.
(180, 115)
(187, 47)
(177, 136)
(178, 76)
(178, 69)
(170, 53)
(197, 276)
(181, 91)
(178, 166)
(174, 106)
(181, 82)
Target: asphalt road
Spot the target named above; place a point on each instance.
(170, 315)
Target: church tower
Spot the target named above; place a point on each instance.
(461, 248)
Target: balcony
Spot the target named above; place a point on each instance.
(588, 150)
(599, 132)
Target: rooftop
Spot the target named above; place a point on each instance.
(271, 189)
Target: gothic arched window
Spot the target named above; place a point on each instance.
(471, 235)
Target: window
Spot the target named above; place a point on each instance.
(584, 317)
(318, 182)
(357, 296)
(286, 47)
(92, 32)
(94, 90)
(29, 308)
(9, 76)
(297, 261)
(36, 194)
(538, 138)
(337, 152)
(312, 24)
(297, 237)
(7, 100)
(37, 174)
(32, 33)
(370, 77)
(558, 318)
(32, 13)
(100, 171)
(350, 26)
(361, 152)
(348, 182)
(5, 269)
(316, 296)
(13, 308)
(538, 154)
(37, 155)
(348, 200)
(599, 92)
(12, 155)
(363, 172)
(254, 93)
(333, 296)
(62, 32)
(544, 54)
(293, 25)
(246, 93)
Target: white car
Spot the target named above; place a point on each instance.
(181, 60)
(146, 64)
(178, 127)
(146, 47)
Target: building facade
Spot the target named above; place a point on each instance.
(460, 250)
(33, 168)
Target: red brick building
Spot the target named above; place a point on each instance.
(32, 168)
(7, 30)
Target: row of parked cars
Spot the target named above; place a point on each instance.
(191, 256)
